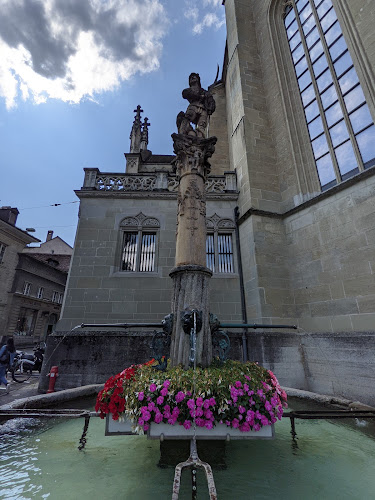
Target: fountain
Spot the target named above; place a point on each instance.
(299, 468)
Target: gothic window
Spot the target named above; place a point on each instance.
(219, 245)
(339, 122)
(2, 251)
(138, 250)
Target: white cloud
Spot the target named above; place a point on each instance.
(70, 50)
(209, 14)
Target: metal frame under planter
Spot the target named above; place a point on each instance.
(164, 431)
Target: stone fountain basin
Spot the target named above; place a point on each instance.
(165, 431)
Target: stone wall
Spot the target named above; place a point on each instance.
(98, 292)
(89, 357)
(339, 364)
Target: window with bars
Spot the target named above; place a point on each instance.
(219, 253)
(2, 251)
(340, 125)
(139, 243)
(138, 252)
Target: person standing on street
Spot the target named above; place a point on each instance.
(7, 353)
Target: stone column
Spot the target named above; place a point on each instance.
(191, 276)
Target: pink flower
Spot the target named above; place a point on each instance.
(158, 418)
(268, 406)
(241, 409)
(151, 406)
(141, 421)
(191, 404)
(208, 424)
(146, 416)
(141, 396)
(171, 420)
(187, 424)
(167, 383)
(160, 400)
(208, 414)
(200, 422)
(235, 423)
(212, 402)
(206, 404)
(199, 401)
(146, 427)
(180, 396)
(264, 420)
(164, 391)
(152, 387)
(199, 412)
(260, 392)
(256, 427)
(238, 384)
(247, 377)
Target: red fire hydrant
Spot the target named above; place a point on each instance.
(53, 374)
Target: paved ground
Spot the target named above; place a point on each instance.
(19, 391)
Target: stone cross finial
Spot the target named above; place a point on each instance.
(135, 134)
(144, 134)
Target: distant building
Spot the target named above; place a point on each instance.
(32, 282)
(12, 241)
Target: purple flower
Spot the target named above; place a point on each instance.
(268, 406)
(141, 396)
(199, 412)
(241, 409)
(158, 418)
(146, 416)
(212, 402)
(146, 427)
(264, 420)
(235, 423)
(171, 420)
(141, 421)
(199, 401)
(208, 414)
(151, 406)
(238, 384)
(180, 396)
(208, 424)
(160, 400)
(166, 383)
(191, 404)
(256, 427)
(200, 422)
(164, 391)
(187, 424)
(152, 387)
(260, 392)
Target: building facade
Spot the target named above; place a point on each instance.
(296, 153)
(32, 281)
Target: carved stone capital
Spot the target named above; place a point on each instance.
(192, 154)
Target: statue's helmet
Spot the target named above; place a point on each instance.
(194, 76)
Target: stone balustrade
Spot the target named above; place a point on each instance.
(158, 181)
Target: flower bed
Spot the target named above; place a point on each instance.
(242, 396)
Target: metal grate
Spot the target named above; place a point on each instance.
(210, 252)
(147, 259)
(225, 251)
(135, 258)
(129, 254)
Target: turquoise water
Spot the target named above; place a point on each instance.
(40, 460)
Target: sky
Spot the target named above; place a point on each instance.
(71, 74)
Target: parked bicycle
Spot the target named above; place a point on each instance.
(24, 364)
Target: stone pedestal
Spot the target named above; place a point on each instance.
(191, 276)
(190, 292)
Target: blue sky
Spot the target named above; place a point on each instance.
(73, 73)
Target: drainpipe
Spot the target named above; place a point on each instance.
(242, 288)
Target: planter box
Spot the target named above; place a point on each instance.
(166, 431)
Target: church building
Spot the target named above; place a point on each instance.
(290, 202)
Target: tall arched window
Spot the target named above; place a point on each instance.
(340, 125)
